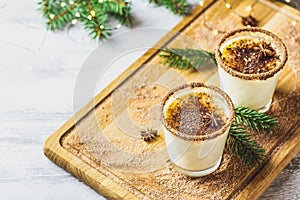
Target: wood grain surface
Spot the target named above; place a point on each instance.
(38, 74)
(82, 153)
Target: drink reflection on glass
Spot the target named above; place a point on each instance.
(196, 121)
(249, 64)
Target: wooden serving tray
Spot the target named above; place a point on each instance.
(101, 145)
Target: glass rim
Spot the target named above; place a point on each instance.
(260, 76)
(188, 137)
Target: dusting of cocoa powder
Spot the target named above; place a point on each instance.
(192, 114)
(250, 57)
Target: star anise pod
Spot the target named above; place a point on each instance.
(249, 21)
(148, 135)
(265, 50)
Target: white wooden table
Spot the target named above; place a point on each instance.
(38, 70)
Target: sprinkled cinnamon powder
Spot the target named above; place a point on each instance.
(250, 57)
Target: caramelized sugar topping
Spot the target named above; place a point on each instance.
(192, 114)
(250, 56)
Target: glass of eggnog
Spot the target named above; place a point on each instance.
(196, 120)
(249, 63)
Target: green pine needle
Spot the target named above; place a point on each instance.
(178, 7)
(121, 11)
(61, 13)
(255, 120)
(240, 143)
(95, 15)
(186, 58)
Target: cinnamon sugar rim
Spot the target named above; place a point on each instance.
(185, 136)
(261, 76)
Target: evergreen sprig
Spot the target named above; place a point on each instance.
(178, 7)
(94, 14)
(255, 120)
(186, 58)
(119, 9)
(240, 143)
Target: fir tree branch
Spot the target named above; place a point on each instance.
(120, 10)
(93, 13)
(95, 26)
(96, 29)
(62, 18)
(255, 120)
(186, 58)
(179, 7)
(56, 14)
(240, 143)
(61, 14)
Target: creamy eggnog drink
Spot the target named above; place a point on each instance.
(196, 121)
(249, 64)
